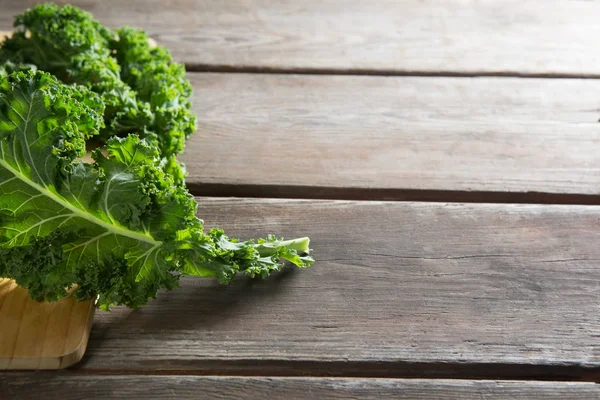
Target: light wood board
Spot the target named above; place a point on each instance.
(539, 37)
(69, 386)
(35, 335)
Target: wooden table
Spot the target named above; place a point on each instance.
(444, 158)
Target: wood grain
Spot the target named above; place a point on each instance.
(69, 386)
(36, 335)
(451, 36)
(395, 138)
(399, 290)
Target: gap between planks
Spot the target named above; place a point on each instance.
(379, 194)
(250, 69)
(361, 369)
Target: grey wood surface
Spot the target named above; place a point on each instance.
(69, 386)
(490, 139)
(399, 289)
(395, 138)
(396, 36)
(478, 292)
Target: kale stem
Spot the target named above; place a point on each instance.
(299, 244)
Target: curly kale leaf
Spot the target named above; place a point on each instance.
(144, 91)
(159, 82)
(119, 229)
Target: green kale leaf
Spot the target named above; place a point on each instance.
(144, 91)
(120, 228)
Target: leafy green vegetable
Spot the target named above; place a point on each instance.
(144, 91)
(123, 227)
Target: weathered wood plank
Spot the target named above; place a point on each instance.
(399, 289)
(69, 386)
(450, 36)
(407, 138)
(499, 140)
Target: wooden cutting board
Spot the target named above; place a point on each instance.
(36, 335)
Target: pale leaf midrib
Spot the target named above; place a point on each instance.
(116, 229)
